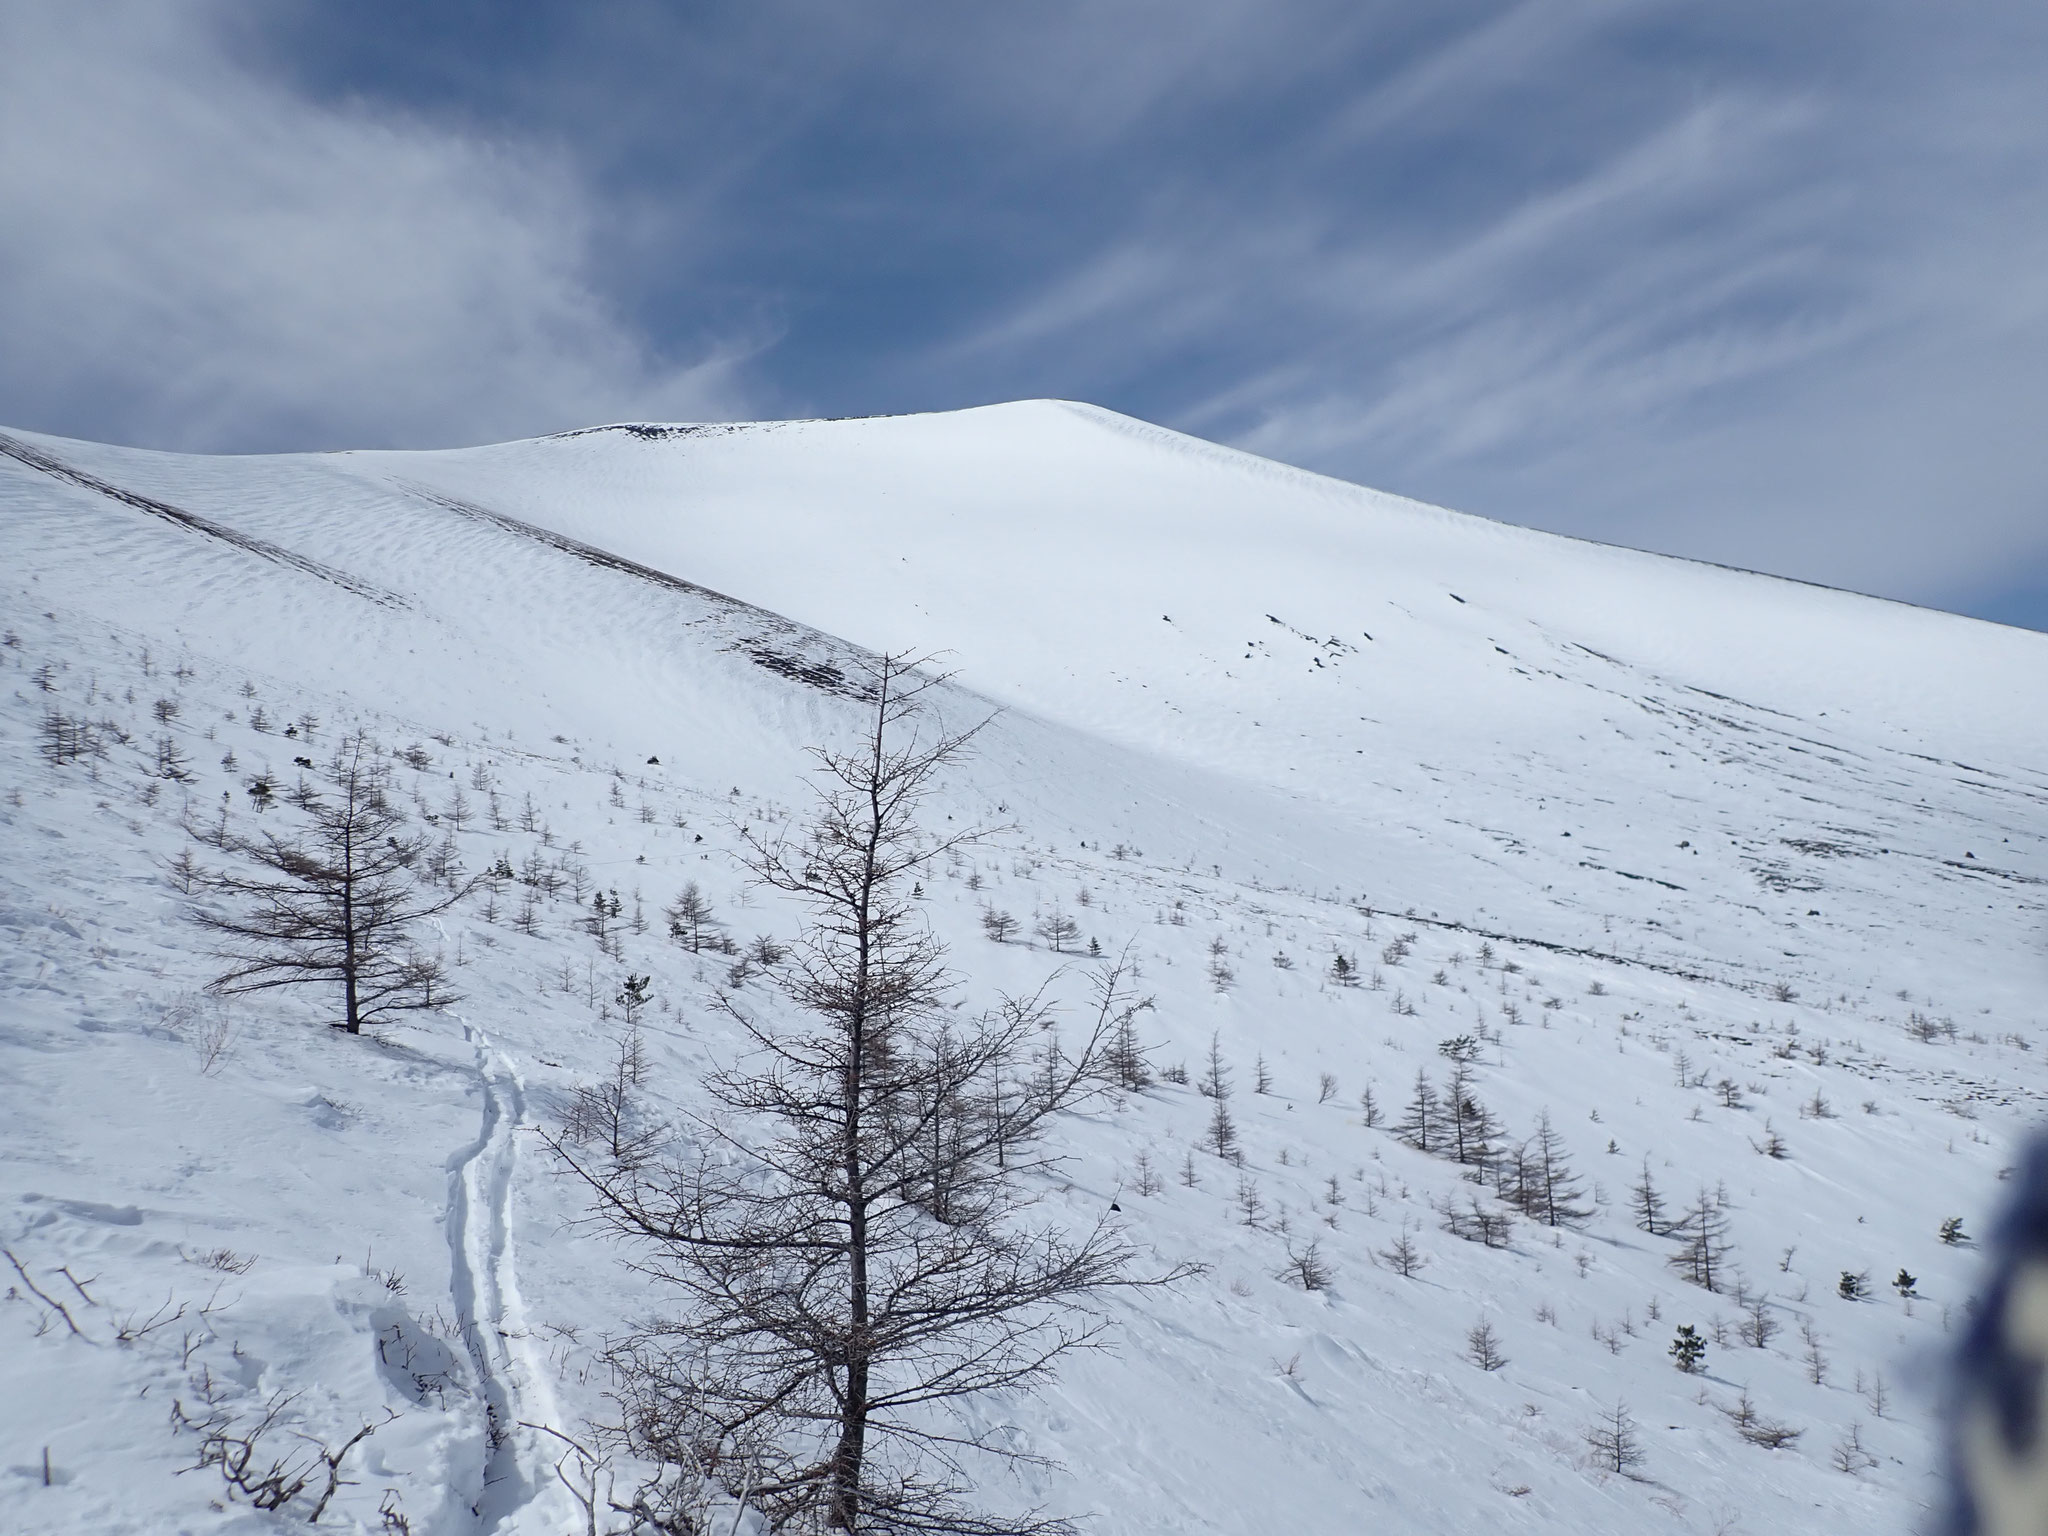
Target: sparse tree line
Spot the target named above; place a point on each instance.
(844, 1242)
(1533, 1177)
(955, 1121)
(339, 903)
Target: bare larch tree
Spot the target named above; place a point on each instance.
(336, 907)
(842, 1238)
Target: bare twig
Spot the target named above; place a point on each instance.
(40, 1295)
(332, 1461)
(588, 1466)
(131, 1330)
(237, 1450)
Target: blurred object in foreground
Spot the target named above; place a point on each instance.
(1999, 1394)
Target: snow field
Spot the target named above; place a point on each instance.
(410, 1251)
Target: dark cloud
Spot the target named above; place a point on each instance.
(1758, 283)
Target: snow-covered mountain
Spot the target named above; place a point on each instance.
(1708, 865)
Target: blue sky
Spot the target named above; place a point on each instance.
(1750, 282)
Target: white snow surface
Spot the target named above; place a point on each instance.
(1706, 825)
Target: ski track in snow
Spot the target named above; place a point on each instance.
(483, 1284)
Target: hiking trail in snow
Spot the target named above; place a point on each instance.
(516, 1492)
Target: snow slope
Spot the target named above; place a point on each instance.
(1707, 825)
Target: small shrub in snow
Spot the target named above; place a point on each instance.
(1403, 1257)
(1482, 1347)
(1815, 1361)
(1059, 931)
(1848, 1454)
(1369, 1106)
(1757, 1327)
(1613, 1442)
(1306, 1267)
(1758, 1430)
(1704, 1247)
(1147, 1181)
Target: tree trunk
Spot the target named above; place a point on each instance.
(351, 1014)
(842, 1510)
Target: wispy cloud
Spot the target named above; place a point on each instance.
(196, 256)
(1763, 317)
